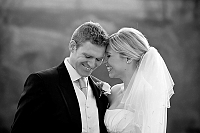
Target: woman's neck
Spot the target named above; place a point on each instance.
(128, 76)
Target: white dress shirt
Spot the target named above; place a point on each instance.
(88, 108)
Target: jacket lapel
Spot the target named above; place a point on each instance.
(96, 93)
(100, 105)
(95, 90)
(69, 95)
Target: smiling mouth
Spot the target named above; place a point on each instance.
(109, 68)
(87, 68)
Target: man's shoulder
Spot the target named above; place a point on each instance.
(46, 74)
(48, 71)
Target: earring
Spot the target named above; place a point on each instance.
(128, 61)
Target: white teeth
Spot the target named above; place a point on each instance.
(109, 69)
(88, 69)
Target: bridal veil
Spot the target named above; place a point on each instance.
(148, 94)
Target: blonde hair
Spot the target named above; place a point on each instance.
(129, 43)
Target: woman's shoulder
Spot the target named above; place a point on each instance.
(116, 88)
(115, 94)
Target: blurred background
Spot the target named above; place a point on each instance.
(34, 35)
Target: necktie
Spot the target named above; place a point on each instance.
(83, 85)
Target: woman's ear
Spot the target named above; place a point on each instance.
(72, 45)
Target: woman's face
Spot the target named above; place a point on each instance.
(115, 63)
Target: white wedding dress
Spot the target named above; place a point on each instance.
(120, 121)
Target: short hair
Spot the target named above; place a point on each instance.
(90, 31)
(129, 43)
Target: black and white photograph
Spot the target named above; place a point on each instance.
(99, 66)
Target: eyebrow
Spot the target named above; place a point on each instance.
(108, 52)
(93, 56)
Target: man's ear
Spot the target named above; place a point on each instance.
(72, 45)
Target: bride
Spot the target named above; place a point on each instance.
(139, 104)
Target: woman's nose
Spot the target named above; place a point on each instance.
(105, 60)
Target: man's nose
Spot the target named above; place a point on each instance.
(92, 63)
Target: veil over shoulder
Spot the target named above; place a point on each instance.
(148, 94)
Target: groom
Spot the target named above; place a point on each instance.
(55, 100)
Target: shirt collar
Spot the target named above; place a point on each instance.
(72, 72)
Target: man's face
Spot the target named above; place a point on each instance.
(86, 58)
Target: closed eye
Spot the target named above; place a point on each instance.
(108, 55)
(99, 59)
(87, 56)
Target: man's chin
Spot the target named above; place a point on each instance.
(85, 74)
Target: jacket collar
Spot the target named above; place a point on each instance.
(69, 96)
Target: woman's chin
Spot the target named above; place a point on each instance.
(111, 75)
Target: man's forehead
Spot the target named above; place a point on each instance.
(94, 54)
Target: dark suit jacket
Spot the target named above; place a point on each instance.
(49, 104)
